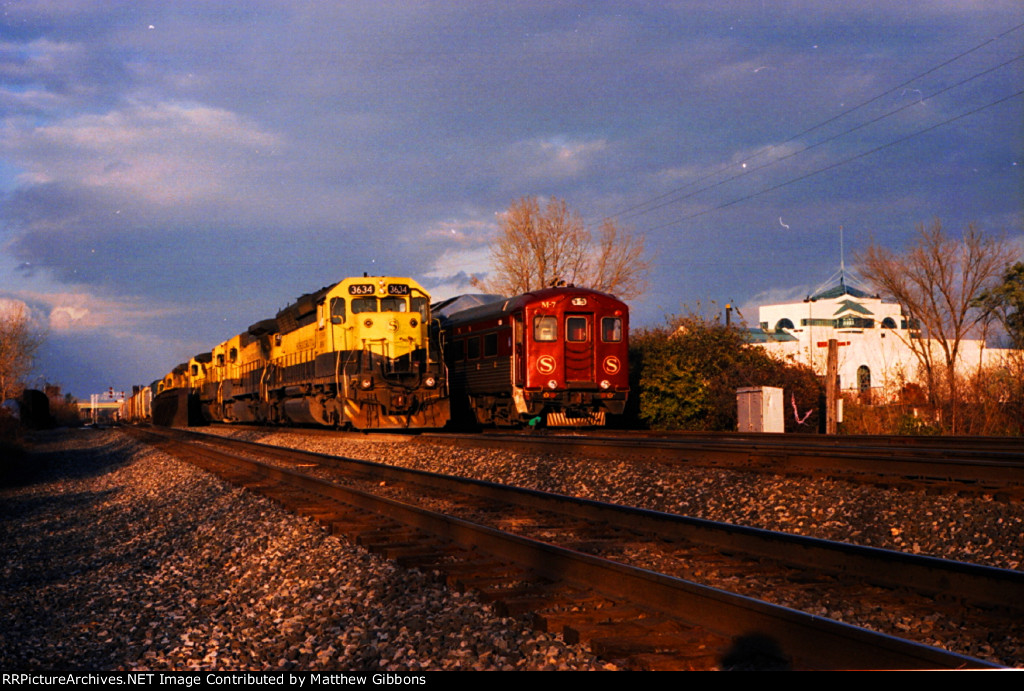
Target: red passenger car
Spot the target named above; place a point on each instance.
(557, 356)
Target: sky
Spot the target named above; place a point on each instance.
(171, 172)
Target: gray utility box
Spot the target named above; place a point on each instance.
(760, 409)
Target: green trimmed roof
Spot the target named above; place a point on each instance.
(851, 306)
(756, 335)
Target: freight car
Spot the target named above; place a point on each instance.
(138, 407)
(556, 356)
(355, 354)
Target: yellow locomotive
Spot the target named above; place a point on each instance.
(356, 354)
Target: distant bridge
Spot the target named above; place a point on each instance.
(102, 406)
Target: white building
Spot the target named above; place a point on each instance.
(874, 338)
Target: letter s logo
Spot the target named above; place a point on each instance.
(611, 364)
(546, 364)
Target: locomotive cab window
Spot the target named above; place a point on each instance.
(576, 329)
(611, 330)
(545, 328)
(421, 305)
(360, 305)
(393, 305)
(337, 310)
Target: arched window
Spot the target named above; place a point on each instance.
(864, 383)
(888, 323)
(783, 324)
(863, 379)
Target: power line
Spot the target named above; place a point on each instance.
(839, 163)
(831, 138)
(640, 210)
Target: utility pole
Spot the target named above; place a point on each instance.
(831, 388)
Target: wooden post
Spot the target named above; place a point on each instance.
(831, 388)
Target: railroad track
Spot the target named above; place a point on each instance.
(892, 441)
(960, 465)
(611, 576)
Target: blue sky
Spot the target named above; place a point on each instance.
(173, 172)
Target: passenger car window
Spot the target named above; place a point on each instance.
(490, 345)
(611, 329)
(576, 329)
(545, 328)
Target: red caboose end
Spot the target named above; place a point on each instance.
(558, 354)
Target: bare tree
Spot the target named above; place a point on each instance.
(936, 282)
(619, 265)
(536, 249)
(19, 342)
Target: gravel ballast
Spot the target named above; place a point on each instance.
(117, 556)
(975, 529)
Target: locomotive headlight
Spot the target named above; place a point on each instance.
(605, 383)
(552, 384)
(366, 382)
(430, 382)
(368, 323)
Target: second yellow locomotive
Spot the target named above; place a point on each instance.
(355, 354)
